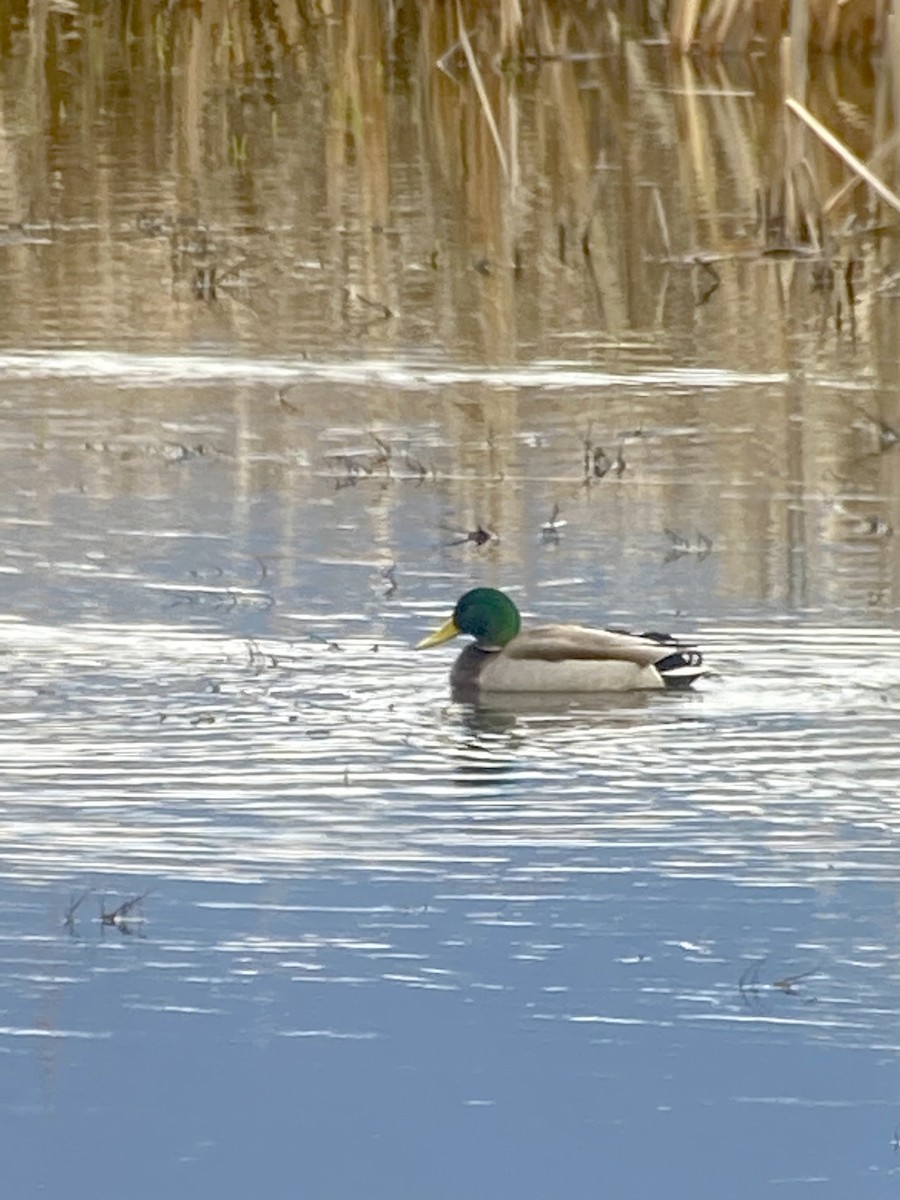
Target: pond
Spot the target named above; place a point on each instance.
(286, 367)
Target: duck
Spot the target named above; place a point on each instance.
(504, 657)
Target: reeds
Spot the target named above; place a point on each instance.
(554, 156)
(732, 26)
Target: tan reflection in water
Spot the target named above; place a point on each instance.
(202, 180)
(292, 182)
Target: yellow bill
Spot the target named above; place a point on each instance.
(444, 634)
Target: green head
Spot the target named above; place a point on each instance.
(488, 615)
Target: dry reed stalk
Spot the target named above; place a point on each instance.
(719, 25)
(683, 23)
(799, 58)
(830, 34)
(722, 18)
(737, 140)
(480, 89)
(579, 179)
(837, 23)
(716, 24)
(512, 124)
(661, 221)
(847, 156)
(696, 139)
(783, 218)
(838, 197)
(544, 39)
(510, 12)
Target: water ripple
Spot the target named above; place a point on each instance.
(164, 751)
(152, 370)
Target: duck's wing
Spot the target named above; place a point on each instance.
(575, 658)
(561, 643)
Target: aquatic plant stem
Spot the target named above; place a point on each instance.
(834, 144)
(482, 94)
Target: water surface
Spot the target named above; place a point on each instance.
(277, 915)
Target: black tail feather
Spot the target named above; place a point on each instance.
(680, 668)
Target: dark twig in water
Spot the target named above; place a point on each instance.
(789, 982)
(875, 527)
(479, 536)
(177, 452)
(74, 905)
(203, 282)
(357, 464)
(123, 917)
(713, 282)
(388, 574)
(227, 598)
(551, 530)
(354, 467)
(383, 458)
(750, 987)
(588, 451)
(888, 435)
(234, 270)
(281, 396)
(748, 984)
(414, 465)
(418, 468)
(603, 464)
(870, 525)
(354, 296)
(318, 637)
(257, 659)
(597, 462)
(682, 546)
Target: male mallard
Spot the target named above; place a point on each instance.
(556, 658)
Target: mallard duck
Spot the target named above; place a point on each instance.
(556, 658)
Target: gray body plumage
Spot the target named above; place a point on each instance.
(574, 658)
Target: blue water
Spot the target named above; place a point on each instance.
(278, 917)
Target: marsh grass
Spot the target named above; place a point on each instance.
(561, 150)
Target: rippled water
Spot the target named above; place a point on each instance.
(275, 909)
(287, 362)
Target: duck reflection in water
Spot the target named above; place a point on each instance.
(499, 734)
